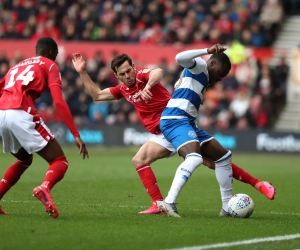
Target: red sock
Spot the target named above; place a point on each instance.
(148, 178)
(55, 172)
(243, 176)
(12, 175)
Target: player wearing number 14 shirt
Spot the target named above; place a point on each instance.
(23, 131)
(26, 81)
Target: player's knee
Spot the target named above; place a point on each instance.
(208, 163)
(137, 161)
(141, 159)
(28, 162)
(133, 160)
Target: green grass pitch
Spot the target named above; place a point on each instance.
(99, 200)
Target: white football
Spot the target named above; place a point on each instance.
(240, 206)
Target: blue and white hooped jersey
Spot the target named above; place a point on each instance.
(188, 94)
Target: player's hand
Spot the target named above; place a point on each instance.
(82, 149)
(216, 49)
(78, 62)
(146, 94)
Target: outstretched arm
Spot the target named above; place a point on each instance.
(95, 92)
(65, 114)
(187, 58)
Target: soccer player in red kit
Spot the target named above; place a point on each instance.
(135, 83)
(23, 131)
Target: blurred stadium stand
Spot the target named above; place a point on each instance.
(262, 37)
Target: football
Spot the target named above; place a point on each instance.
(240, 206)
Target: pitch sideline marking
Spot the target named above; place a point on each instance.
(244, 242)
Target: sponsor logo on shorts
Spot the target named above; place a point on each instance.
(192, 134)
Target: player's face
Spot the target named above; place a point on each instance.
(217, 71)
(126, 74)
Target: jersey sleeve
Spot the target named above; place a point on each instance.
(63, 109)
(200, 66)
(54, 77)
(116, 91)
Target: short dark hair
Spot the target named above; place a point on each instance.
(44, 45)
(222, 58)
(119, 60)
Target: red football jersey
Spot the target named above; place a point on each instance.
(149, 113)
(26, 81)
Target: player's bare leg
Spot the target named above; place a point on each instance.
(147, 154)
(14, 172)
(54, 155)
(240, 174)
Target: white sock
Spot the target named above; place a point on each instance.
(183, 173)
(223, 172)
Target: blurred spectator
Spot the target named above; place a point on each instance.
(271, 16)
(240, 104)
(222, 120)
(98, 112)
(257, 115)
(246, 72)
(230, 82)
(279, 76)
(264, 83)
(236, 34)
(236, 53)
(257, 37)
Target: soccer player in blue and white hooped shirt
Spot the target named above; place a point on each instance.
(178, 124)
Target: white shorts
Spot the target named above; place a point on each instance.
(161, 140)
(19, 129)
